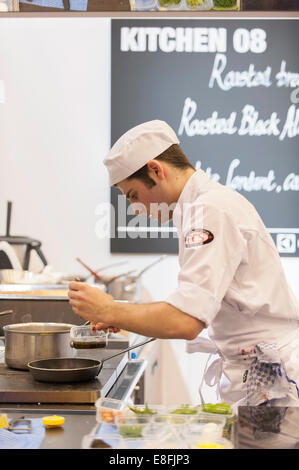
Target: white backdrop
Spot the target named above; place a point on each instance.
(54, 134)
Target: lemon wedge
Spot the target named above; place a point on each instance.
(53, 421)
(3, 421)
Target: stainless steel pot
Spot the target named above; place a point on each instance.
(26, 342)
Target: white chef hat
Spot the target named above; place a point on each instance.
(138, 146)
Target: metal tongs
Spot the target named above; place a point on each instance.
(13, 425)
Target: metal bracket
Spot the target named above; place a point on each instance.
(13, 425)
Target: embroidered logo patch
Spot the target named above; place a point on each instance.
(198, 237)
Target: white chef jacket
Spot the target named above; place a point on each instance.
(234, 282)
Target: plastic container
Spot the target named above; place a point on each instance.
(199, 4)
(208, 443)
(200, 420)
(226, 5)
(143, 5)
(224, 410)
(208, 5)
(197, 428)
(108, 409)
(170, 441)
(171, 419)
(177, 424)
(157, 430)
(184, 410)
(131, 426)
(136, 427)
(82, 337)
(207, 436)
(170, 4)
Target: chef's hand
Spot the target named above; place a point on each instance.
(90, 303)
(103, 326)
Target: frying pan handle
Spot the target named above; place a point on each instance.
(128, 349)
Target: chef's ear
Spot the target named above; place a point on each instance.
(156, 169)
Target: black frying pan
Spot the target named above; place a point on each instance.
(71, 369)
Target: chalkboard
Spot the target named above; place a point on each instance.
(230, 90)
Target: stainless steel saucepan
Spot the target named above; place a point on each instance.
(64, 370)
(25, 342)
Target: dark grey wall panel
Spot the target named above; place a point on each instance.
(156, 84)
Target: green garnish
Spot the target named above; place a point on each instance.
(225, 3)
(164, 3)
(185, 410)
(146, 411)
(221, 408)
(130, 430)
(195, 3)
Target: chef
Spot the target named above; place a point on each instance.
(231, 281)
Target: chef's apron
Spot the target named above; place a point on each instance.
(270, 375)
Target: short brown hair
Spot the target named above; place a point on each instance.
(173, 155)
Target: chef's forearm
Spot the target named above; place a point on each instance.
(157, 319)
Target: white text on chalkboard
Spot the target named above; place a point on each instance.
(168, 39)
(252, 182)
(226, 80)
(250, 123)
(173, 39)
(246, 78)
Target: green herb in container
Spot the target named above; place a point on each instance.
(185, 410)
(129, 430)
(223, 4)
(195, 3)
(146, 411)
(220, 408)
(166, 3)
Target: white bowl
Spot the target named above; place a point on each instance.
(15, 276)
